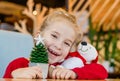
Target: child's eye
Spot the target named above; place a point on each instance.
(68, 44)
(54, 36)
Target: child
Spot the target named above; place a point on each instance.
(60, 33)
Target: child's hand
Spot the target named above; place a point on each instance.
(63, 73)
(29, 72)
(51, 68)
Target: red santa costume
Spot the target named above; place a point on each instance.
(87, 71)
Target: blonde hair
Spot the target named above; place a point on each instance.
(56, 15)
(59, 14)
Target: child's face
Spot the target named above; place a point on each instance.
(59, 37)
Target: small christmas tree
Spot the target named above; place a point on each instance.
(39, 54)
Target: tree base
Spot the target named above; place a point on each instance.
(43, 66)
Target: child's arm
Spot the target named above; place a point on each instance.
(62, 73)
(28, 72)
(18, 68)
(91, 71)
(15, 64)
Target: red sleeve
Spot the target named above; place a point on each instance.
(91, 71)
(17, 63)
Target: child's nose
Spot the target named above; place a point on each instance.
(59, 45)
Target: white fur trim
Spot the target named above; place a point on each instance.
(72, 62)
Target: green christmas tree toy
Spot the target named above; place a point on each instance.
(39, 56)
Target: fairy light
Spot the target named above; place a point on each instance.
(34, 12)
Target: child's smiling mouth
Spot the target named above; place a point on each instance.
(53, 52)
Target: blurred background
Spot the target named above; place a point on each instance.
(98, 19)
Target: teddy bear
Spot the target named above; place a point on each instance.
(85, 54)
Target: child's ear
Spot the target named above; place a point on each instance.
(73, 48)
(75, 45)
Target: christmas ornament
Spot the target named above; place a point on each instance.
(39, 56)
